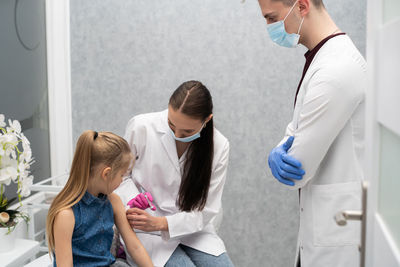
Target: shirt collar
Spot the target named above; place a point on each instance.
(89, 198)
(309, 55)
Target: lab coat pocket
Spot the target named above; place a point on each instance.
(327, 201)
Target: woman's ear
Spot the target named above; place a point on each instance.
(209, 118)
(106, 173)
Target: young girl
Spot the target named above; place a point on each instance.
(81, 218)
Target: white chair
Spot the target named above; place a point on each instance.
(43, 261)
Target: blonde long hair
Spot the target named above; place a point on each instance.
(92, 149)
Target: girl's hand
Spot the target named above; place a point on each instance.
(141, 220)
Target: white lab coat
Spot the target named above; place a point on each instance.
(328, 126)
(159, 171)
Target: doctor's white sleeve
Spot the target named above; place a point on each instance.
(289, 132)
(328, 105)
(186, 223)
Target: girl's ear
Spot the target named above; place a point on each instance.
(106, 173)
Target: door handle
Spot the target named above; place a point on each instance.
(342, 217)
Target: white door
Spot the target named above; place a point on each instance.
(383, 134)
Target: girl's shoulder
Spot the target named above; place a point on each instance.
(65, 219)
(114, 199)
(66, 214)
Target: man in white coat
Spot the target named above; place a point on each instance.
(322, 151)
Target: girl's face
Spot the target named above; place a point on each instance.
(183, 125)
(116, 180)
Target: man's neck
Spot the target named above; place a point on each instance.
(318, 26)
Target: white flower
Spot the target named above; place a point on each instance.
(14, 161)
(10, 138)
(15, 126)
(22, 170)
(2, 122)
(13, 154)
(25, 188)
(9, 141)
(12, 173)
(2, 139)
(9, 168)
(25, 141)
(26, 156)
(4, 177)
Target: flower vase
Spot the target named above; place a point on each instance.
(7, 241)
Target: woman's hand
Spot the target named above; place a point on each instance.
(142, 201)
(141, 220)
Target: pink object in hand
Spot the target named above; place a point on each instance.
(142, 201)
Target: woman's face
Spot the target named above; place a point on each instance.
(183, 125)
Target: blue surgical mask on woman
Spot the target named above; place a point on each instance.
(187, 139)
(279, 35)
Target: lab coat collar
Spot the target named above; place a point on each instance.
(167, 140)
(162, 126)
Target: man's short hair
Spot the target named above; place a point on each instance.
(317, 3)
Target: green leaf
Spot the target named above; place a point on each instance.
(3, 202)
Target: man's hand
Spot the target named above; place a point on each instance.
(284, 167)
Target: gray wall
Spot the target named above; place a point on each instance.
(128, 57)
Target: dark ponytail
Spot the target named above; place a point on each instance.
(193, 99)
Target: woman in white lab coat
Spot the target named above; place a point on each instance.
(181, 160)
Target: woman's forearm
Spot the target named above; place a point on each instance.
(163, 224)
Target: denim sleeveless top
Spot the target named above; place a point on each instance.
(93, 231)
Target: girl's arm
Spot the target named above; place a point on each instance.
(133, 245)
(63, 228)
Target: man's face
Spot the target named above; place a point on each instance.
(274, 11)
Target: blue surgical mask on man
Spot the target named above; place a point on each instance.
(187, 139)
(279, 35)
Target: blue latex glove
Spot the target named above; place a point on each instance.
(284, 167)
